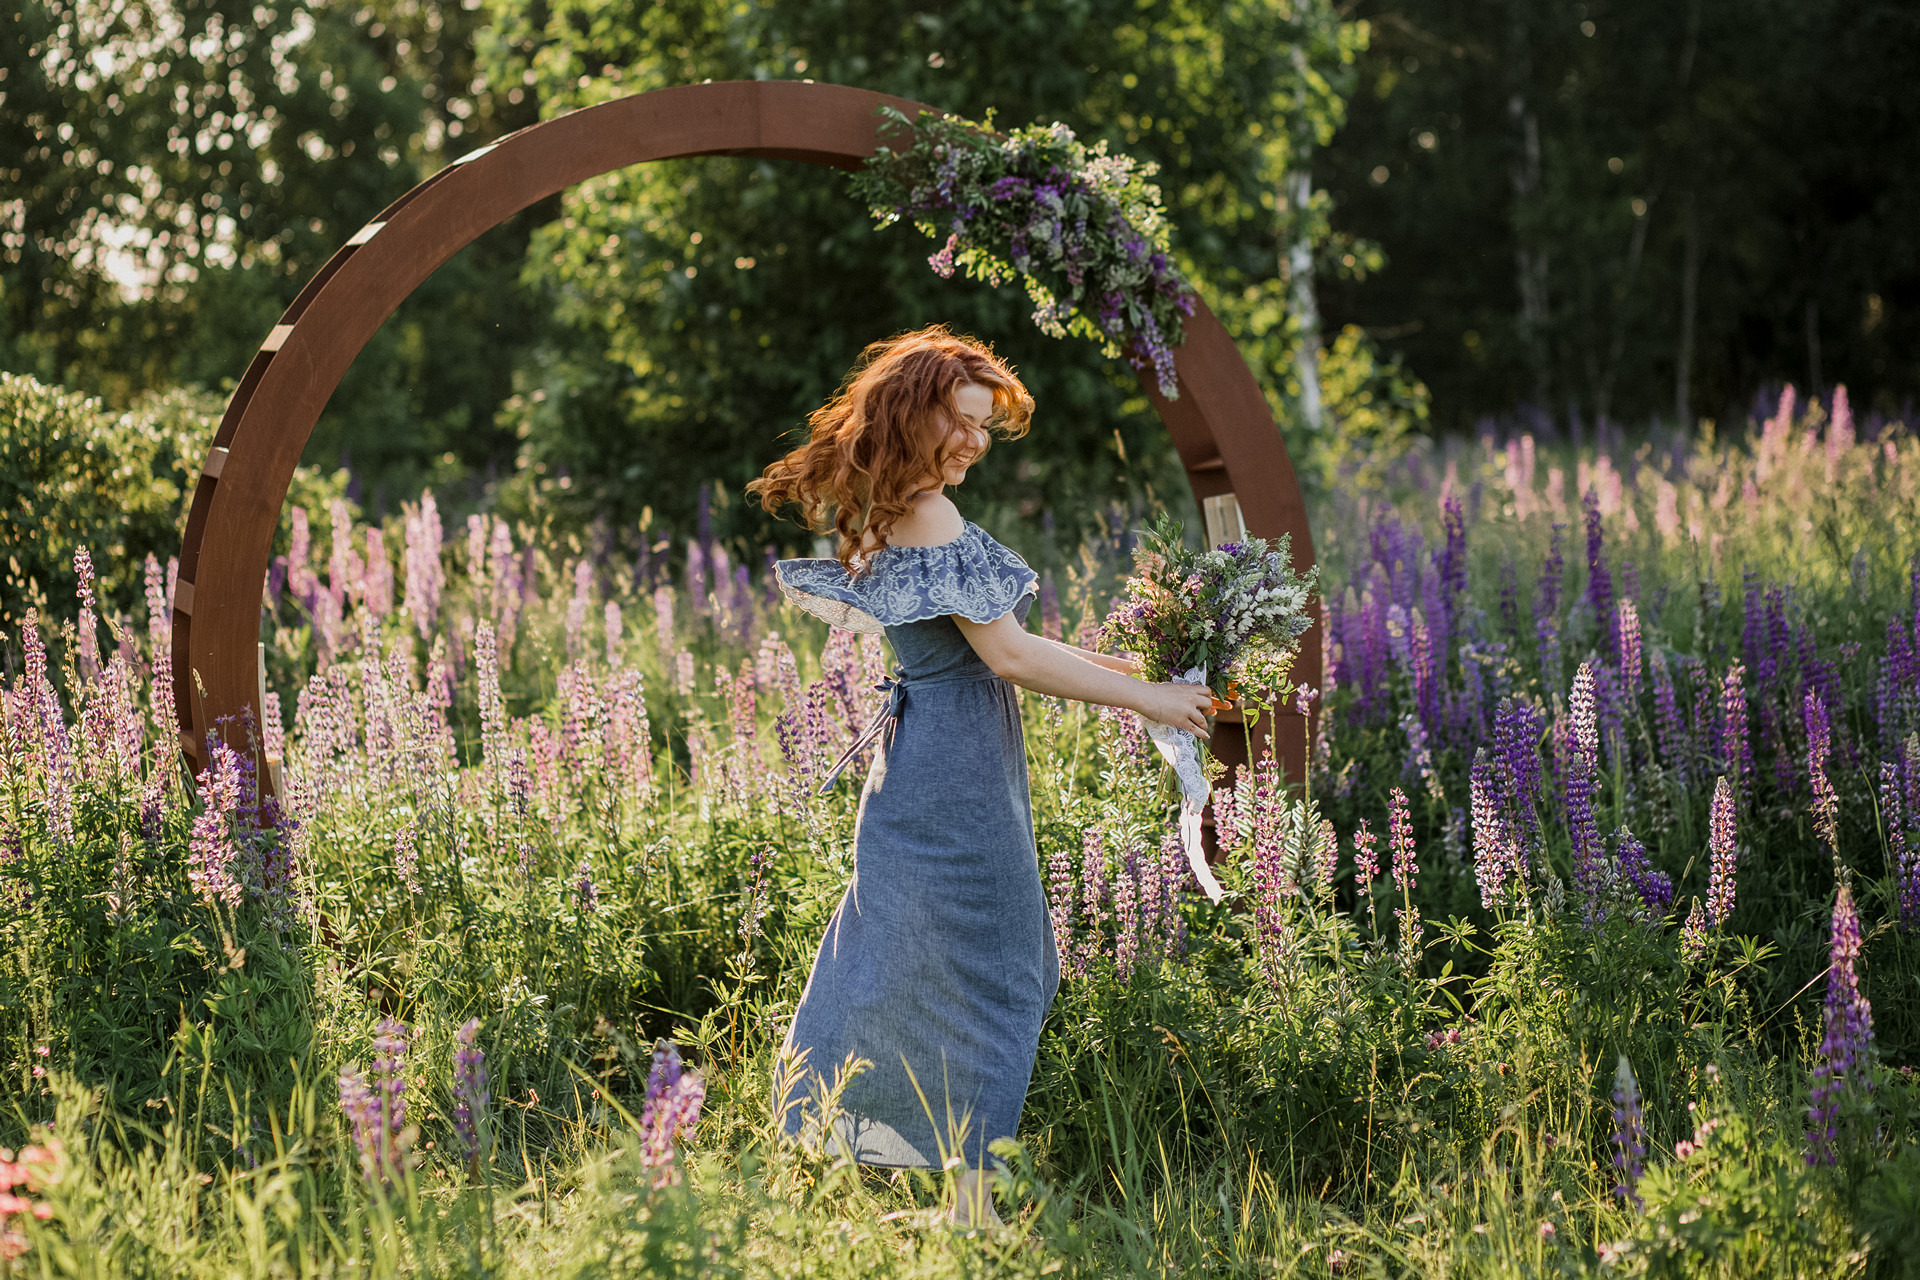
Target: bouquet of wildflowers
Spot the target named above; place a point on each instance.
(1234, 614)
(1231, 619)
(1083, 230)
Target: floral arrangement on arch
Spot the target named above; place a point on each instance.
(1082, 229)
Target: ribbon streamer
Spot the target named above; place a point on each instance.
(895, 687)
(1182, 750)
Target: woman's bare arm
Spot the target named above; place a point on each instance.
(1061, 671)
(1125, 666)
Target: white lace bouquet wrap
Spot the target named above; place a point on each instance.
(1179, 748)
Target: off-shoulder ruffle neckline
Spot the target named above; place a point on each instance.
(971, 575)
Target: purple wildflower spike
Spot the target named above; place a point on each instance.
(1093, 888)
(1366, 857)
(1693, 935)
(1494, 852)
(1669, 727)
(213, 858)
(674, 1096)
(1581, 787)
(1903, 852)
(1061, 892)
(376, 1106)
(1733, 733)
(1629, 1134)
(1655, 888)
(1627, 623)
(1842, 1068)
(1826, 805)
(470, 1100)
(1406, 865)
(1126, 916)
(1721, 855)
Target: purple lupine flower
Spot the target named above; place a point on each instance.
(1826, 805)
(376, 1106)
(1599, 581)
(1629, 1134)
(1655, 888)
(1903, 853)
(1733, 732)
(1093, 888)
(585, 893)
(1050, 625)
(1693, 935)
(674, 1095)
(1061, 892)
(1517, 729)
(1581, 789)
(470, 1101)
(1174, 873)
(301, 579)
(362, 1109)
(406, 857)
(629, 739)
(1721, 854)
(1669, 727)
(756, 898)
(1126, 915)
(1842, 1067)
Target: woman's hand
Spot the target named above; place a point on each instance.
(1184, 706)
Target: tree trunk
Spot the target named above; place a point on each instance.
(1523, 172)
(1306, 306)
(1689, 303)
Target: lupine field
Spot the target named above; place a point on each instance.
(1587, 947)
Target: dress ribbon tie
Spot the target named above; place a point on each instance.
(895, 687)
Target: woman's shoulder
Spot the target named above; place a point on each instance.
(931, 519)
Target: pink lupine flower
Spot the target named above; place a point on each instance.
(614, 629)
(1406, 866)
(577, 608)
(1721, 855)
(425, 576)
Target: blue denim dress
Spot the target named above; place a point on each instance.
(938, 965)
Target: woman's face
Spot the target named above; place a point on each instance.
(968, 439)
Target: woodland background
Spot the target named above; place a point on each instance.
(1417, 216)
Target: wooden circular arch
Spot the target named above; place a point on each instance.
(1221, 428)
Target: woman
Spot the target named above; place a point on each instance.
(939, 963)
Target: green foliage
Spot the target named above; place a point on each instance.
(1582, 206)
(181, 169)
(74, 474)
(664, 379)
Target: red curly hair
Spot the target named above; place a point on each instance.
(888, 434)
